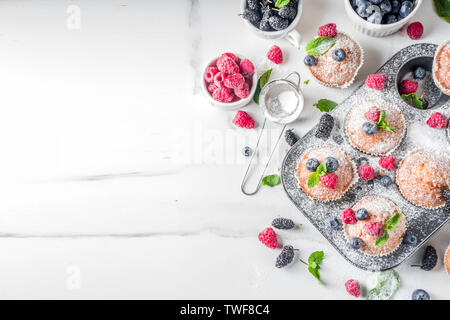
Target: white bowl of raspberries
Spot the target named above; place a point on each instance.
(229, 81)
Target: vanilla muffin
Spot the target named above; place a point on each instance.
(441, 67)
(422, 176)
(379, 210)
(368, 132)
(336, 181)
(334, 73)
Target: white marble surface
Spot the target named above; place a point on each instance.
(118, 180)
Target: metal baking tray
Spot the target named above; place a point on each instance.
(422, 222)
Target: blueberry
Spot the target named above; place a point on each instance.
(375, 18)
(332, 223)
(385, 7)
(385, 181)
(406, 8)
(375, 1)
(424, 103)
(420, 73)
(410, 239)
(278, 23)
(361, 10)
(395, 6)
(310, 60)
(312, 164)
(420, 294)
(361, 214)
(391, 19)
(370, 127)
(338, 55)
(332, 164)
(247, 151)
(356, 243)
(287, 12)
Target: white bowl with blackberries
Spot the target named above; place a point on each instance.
(380, 18)
(273, 19)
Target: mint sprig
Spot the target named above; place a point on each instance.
(261, 83)
(413, 99)
(319, 45)
(282, 3)
(391, 224)
(442, 8)
(271, 180)
(383, 124)
(382, 239)
(314, 178)
(325, 105)
(314, 261)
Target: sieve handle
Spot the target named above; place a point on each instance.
(298, 77)
(244, 179)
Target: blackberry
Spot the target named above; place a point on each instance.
(309, 60)
(356, 243)
(332, 164)
(446, 194)
(420, 294)
(287, 12)
(338, 55)
(247, 151)
(286, 256)
(424, 103)
(312, 164)
(278, 23)
(253, 4)
(429, 259)
(291, 137)
(410, 239)
(254, 17)
(283, 223)
(385, 181)
(264, 25)
(338, 139)
(293, 3)
(333, 223)
(420, 73)
(370, 127)
(362, 214)
(325, 126)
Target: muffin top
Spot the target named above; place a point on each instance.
(382, 139)
(379, 210)
(442, 67)
(338, 73)
(342, 168)
(422, 176)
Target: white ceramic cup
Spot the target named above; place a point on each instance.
(290, 34)
(377, 30)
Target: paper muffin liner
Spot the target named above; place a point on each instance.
(350, 82)
(381, 254)
(435, 67)
(400, 190)
(354, 171)
(377, 154)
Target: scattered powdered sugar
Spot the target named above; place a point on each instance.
(421, 222)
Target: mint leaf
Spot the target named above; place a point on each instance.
(306, 81)
(442, 8)
(388, 284)
(413, 99)
(261, 83)
(322, 168)
(382, 239)
(271, 180)
(383, 124)
(316, 257)
(313, 179)
(382, 116)
(319, 45)
(325, 105)
(315, 273)
(282, 3)
(391, 223)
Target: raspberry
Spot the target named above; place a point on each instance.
(366, 172)
(376, 81)
(219, 78)
(373, 114)
(353, 288)
(269, 238)
(212, 87)
(230, 55)
(387, 163)
(223, 94)
(437, 120)
(234, 81)
(210, 73)
(408, 86)
(348, 216)
(247, 68)
(329, 180)
(243, 91)
(374, 228)
(227, 65)
(243, 120)
(415, 30)
(275, 55)
(328, 30)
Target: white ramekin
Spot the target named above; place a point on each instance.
(289, 33)
(377, 30)
(230, 105)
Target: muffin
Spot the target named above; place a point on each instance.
(422, 176)
(447, 260)
(325, 173)
(338, 66)
(441, 67)
(379, 212)
(375, 127)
